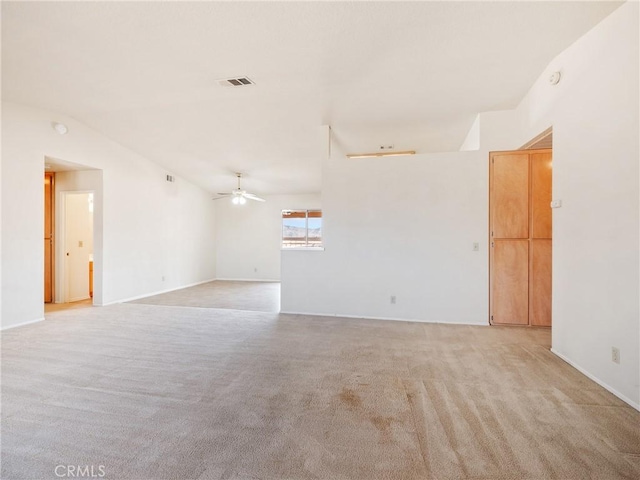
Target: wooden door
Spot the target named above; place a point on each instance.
(540, 283)
(541, 195)
(541, 234)
(509, 225)
(510, 191)
(520, 230)
(48, 236)
(510, 300)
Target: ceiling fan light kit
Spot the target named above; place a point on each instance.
(381, 154)
(239, 196)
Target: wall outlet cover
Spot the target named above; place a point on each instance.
(615, 355)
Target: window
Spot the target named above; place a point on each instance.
(301, 228)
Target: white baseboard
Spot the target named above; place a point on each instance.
(394, 319)
(247, 280)
(23, 324)
(145, 295)
(598, 381)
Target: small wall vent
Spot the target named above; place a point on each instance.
(171, 178)
(236, 82)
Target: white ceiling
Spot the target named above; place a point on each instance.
(411, 74)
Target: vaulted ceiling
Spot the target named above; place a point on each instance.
(410, 74)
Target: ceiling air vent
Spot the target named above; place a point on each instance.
(236, 82)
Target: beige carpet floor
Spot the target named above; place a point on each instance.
(157, 392)
(253, 296)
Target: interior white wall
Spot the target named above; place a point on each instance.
(249, 237)
(152, 228)
(74, 181)
(596, 263)
(595, 117)
(372, 254)
(402, 226)
(472, 140)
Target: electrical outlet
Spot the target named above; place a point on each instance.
(476, 246)
(393, 299)
(163, 278)
(615, 355)
(80, 243)
(255, 269)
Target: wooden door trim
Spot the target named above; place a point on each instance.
(545, 137)
(519, 152)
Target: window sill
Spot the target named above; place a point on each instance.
(303, 249)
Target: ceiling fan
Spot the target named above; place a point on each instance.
(239, 196)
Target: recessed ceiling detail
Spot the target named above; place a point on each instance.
(236, 82)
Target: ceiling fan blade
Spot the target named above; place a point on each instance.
(224, 194)
(251, 196)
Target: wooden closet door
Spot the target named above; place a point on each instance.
(509, 224)
(48, 237)
(520, 230)
(510, 292)
(541, 195)
(540, 283)
(541, 233)
(510, 195)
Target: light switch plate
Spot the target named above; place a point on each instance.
(556, 203)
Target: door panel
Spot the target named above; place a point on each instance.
(510, 196)
(540, 283)
(541, 195)
(48, 237)
(78, 245)
(510, 282)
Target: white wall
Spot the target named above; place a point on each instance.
(151, 228)
(249, 237)
(402, 226)
(472, 140)
(595, 116)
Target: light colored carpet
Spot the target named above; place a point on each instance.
(156, 392)
(253, 296)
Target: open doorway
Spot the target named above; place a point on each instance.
(77, 230)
